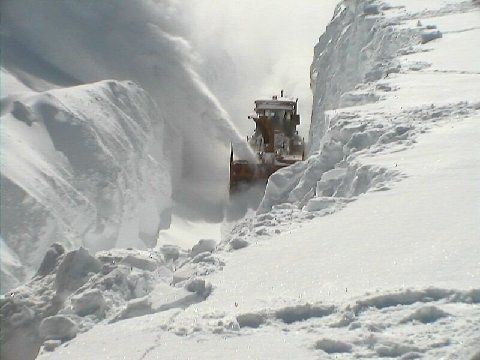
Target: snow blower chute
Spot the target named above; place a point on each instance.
(275, 142)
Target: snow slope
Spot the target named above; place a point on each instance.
(83, 166)
(367, 249)
(419, 277)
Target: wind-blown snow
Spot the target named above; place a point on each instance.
(139, 41)
(255, 48)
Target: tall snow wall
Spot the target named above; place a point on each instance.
(81, 166)
(98, 164)
(358, 47)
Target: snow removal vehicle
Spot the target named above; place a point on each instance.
(275, 142)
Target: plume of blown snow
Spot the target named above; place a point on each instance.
(49, 44)
(255, 48)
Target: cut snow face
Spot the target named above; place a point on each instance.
(82, 166)
(393, 78)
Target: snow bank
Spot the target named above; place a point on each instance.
(362, 48)
(355, 48)
(83, 166)
(75, 290)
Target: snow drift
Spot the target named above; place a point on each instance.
(354, 48)
(81, 166)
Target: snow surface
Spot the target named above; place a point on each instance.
(368, 249)
(185, 233)
(79, 168)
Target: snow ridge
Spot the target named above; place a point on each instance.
(79, 163)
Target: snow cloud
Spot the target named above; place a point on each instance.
(202, 61)
(255, 48)
(69, 43)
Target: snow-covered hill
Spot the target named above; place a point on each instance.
(367, 249)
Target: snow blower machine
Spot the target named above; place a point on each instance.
(275, 142)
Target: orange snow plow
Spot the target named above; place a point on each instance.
(275, 142)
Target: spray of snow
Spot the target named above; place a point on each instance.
(140, 41)
(255, 48)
